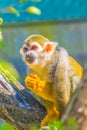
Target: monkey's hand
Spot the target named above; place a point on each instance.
(34, 83)
(39, 87)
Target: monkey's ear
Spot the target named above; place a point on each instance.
(50, 46)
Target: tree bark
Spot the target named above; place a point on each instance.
(19, 108)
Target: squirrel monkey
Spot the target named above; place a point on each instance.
(53, 74)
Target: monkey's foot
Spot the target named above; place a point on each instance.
(34, 83)
(52, 114)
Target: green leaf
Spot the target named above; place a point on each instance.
(10, 67)
(14, 11)
(22, 1)
(34, 128)
(56, 125)
(72, 124)
(1, 21)
(34, 10)
(6, 127)
(36, 0)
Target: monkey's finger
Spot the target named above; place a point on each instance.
(28, 79)
(31, 83)
(31, 87)
(34, 76)
(35, 81)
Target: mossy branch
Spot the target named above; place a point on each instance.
(11, 78)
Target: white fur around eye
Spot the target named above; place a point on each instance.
(39, 46)
(21, 50)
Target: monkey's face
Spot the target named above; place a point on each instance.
(31, 52)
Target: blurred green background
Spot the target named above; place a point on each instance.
(70, 35)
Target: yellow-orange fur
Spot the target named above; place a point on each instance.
(45, 91)
(53, 77)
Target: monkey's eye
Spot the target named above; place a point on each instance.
(25, 49)
(34, 47)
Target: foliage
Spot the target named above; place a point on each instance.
(13, 9)
(72, 124)
(59, 125)
(10, 67)
(56, 125)
(6, 127)
(33, 10)
(1, 21)
(34, 128)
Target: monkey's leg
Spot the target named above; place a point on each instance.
(52, 113)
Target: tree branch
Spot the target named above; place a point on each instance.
(19, 108)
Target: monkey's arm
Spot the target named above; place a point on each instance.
(61, 81)
(39, 87)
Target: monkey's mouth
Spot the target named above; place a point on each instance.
(27, 58)
(30, 59)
